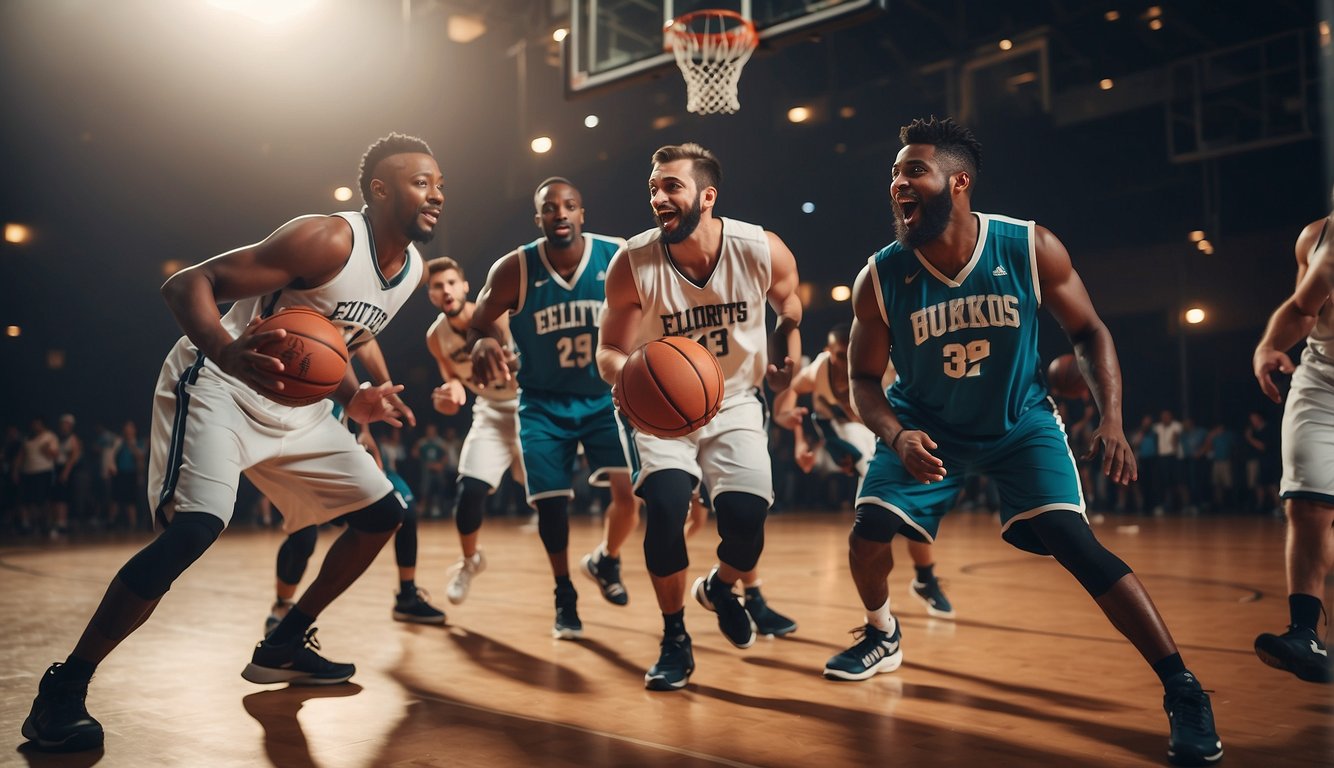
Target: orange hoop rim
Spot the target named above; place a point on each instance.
(745, 30)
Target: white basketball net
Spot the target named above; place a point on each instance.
(711, 48)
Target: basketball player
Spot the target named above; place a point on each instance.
(210, 423)
(707, 278)
(552, 291)
(492, 446)
(1308, 453)
(954, 304)
(849, 443)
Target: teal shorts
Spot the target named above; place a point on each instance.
(1032, 467)
(551, 429)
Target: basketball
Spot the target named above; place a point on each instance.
(1064, 378)
(313, 354)
(670, 387)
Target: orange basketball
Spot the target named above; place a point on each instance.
(313, 354)
(670, 387)
(1064, 378)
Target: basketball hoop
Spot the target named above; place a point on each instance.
(711, 47)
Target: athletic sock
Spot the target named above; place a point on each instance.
(925, 573)
(674, 624)
(1169, 666)
(76, 668)
(882, 619)
(293, 625)
(407, 588)
(1305, 611)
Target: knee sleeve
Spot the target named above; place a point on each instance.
(295, 553)
(150, 573)
(1069, 539)
(405, 540)
(553, 523)
(470, 504)
(875, 523)
(381, 517)
(741, 526)
(666, 494)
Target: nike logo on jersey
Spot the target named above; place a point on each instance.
(908, 280)
(1315, 648)
(602, 275)
(999, 272)
(540, 283)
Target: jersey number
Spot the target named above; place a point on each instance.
(715, 342)
(575, 351)
(966, 359)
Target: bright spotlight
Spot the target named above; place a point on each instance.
(17, 233)
(560, 34)
(265, 11)
(1196, 235)
(1006, 44)
(1195, 315)
(541, 145)
(591, 121)
(808, 207)
(798, 114)
(840, 293)
(343, 194)
(1106, 83)
(13, 331)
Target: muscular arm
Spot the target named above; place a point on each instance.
(785, 341)
(450, 395)
(1296, 316)
(488, 331)
(789, 416)
(620, 320)
(1064, 295)
(309, 249)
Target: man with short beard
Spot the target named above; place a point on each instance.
(210, 423)
(954, 305)
(706, 278)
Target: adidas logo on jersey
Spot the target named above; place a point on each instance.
(999, 272)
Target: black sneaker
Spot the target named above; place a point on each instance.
(276, 613)
(931, 595)
(1299, 651)
(1193, 739)
(415, 609)
(567, 626)
(875, 651)
(768, 622)
(59, 721)
(606, 571)
(735, 623)
(674, 667)
(296, 662)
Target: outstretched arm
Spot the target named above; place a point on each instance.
(1067, 299)
(1295, 317)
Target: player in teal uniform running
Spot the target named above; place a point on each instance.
(553, 289)
(954, 304)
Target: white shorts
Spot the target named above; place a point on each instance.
(1308, 435)
(208, 429)
(492, 444)
(730, 453)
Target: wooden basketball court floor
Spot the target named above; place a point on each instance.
(1029, 674)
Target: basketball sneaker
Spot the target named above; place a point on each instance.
(296, 662)
(674, 667)
(768, 622)
(415, 609)
(875, 652)
(461, 581)
(733, 620)
(276, 613)
(567, 626)
(59, 721)
(606, 571)
(931, 595)
(1193, 739)
(1299, 651)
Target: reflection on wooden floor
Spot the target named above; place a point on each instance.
(1030, 673)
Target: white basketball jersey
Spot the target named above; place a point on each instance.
(725, 314)
(359, 300)
(828, 404)
(1320, 342)
(454, 345)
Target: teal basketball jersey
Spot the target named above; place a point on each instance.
(965, 347)
(555, 325)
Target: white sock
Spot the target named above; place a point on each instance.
(881, 619)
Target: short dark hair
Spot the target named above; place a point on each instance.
(956, 143)
(441, 263)
(841, 332)
(393, 144)
(548, 181)
(708, 172)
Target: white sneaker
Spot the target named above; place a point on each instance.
(461, 581)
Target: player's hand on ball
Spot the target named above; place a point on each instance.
(1265, 361)
(779, 379)
(242, 359)
(378, 403)
(1118, 458)
(449, 397)
(914, 449)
